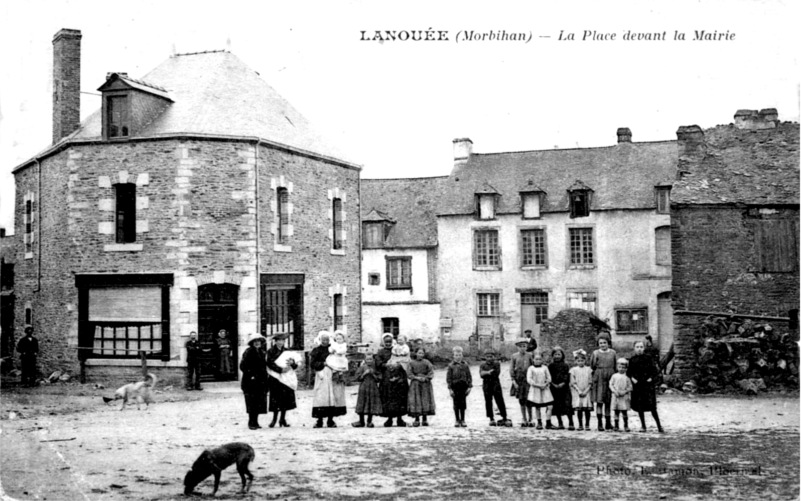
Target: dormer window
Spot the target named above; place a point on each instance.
(580, 198)
(118, 116)
(373, 235)
(375, 229)
(531, 198)
(486, 206)
(663, 199)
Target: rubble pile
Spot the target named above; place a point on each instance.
(743, 355)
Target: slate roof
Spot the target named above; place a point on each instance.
(759, 167)
(622, 176)
(215, 93)
(411, 203)
(136, 84)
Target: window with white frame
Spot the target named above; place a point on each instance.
(531, 205)
(125, 222)
(581, 246)
(282, 207)
(533, 251)
(489, 304)
(336, 223)
(373, 235)
(486, 250)
(339, 311)
(583, 300)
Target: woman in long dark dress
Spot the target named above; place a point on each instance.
(254, 379)
(282, 397)
(560, 388)
(329, 389)
(644, 374)
(394, 387)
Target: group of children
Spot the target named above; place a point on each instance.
(554, 390)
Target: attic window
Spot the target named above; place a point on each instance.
(532, 203)
(118, 116)
(486, 206)
(579, 203)
(663, 199)
(373, 235)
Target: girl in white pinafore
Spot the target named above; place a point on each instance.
(539, 391)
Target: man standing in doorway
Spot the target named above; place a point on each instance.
(193, 363)
(28, 348)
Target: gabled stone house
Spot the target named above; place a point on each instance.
(735, 217)
(399, 258)
(195, 199)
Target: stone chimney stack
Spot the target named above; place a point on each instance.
(462, 149)
(623, 135)
(66, 83)
(753, 120)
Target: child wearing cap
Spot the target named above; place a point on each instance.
(621, 387)
(580, 386)
(521, 361)
(459, 383)
(490, 372)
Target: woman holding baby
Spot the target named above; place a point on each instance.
(329, 385)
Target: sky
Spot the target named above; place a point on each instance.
(395, 107)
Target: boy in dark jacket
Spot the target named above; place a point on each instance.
(459, 383)
(490, 372)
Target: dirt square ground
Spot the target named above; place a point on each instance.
(59, 443)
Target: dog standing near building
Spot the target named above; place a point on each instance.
(141, 392)
(214, 461)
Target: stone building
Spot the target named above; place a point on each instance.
(523, 235)
(513, 238)
(399, 258)
(195, 199)
(735, 215)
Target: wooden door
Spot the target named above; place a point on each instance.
(217, 310)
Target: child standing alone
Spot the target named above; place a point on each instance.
(621, 387)
(459, 383)
(580, 386)
(490, 372)
(539, 392)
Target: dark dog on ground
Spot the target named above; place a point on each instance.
(140, 392)
(214, 461)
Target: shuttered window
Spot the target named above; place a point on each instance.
(776, 243)
(663, 245)
(399, 272)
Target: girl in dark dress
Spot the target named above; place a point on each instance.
(644, 374)
(254, 379)
(394, 387)
(369, 400)
(560, 388)
(282, 397)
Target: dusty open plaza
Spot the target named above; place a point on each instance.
(60, 445)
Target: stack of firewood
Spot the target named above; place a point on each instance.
(737, 354)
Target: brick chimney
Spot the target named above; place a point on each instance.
(66, 83)
(623, 135)
(462, 149)
(756, 120)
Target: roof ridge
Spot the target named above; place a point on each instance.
(200, 52)
(445, 176)
(142, 82)
(575, 149)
